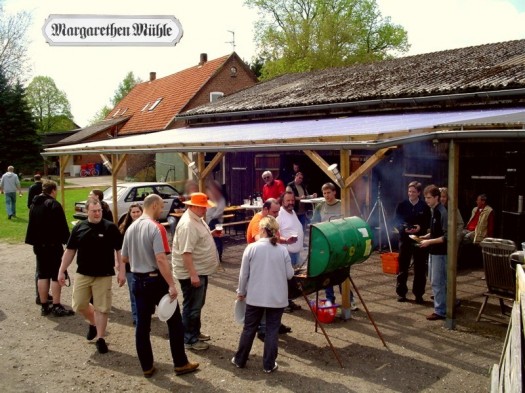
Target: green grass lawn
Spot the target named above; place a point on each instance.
(14, 230)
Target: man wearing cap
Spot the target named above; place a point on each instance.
(194, 258)
(145, 248)
(272, 188)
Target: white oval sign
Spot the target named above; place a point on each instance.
(112, 30)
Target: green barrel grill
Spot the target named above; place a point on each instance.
(338, 244)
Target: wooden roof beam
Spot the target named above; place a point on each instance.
(368, 165)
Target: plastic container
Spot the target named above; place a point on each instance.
(390, 262)
(338, 243)
(326, 310)
(98, 167)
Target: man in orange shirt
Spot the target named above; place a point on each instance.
(270, 207)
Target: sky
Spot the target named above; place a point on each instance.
(90, 75)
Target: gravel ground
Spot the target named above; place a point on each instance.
(44, 354)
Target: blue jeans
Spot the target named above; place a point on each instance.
(296, 258)
(194, 299)
(252, 318)
(148, 292)
(437, 271)
(129, 279)
(10, 203)
(330, 294)
(173, 223)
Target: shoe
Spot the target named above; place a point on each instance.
(197, 345)
(235, 363)
(283, 329)
(102, 346)
(435, 317)
(59, 310)
(49, 300)
(150, 372)
(203, 337)
(9, 217)
(275, 367)
(353, 307)
(261, 336)
(419, 300)
(401, 299)
(294, 306)
(45, 310)
(188, 368)
(92, 332)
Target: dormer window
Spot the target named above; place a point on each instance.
(154, 105)
(145, 107)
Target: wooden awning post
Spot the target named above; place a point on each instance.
(452, 241)
(344, 169)
(63, 160)
(200, 167)
(116, 164)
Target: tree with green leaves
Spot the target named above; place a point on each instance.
(13, 44)
(124, 87)
(49, 105)
(21, 144)
(306, 35)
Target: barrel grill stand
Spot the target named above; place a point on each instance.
(318, 323)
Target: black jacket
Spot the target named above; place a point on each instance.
(34, 190)
(47, 222)
(407, 215)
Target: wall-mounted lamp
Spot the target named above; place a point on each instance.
(194, 169)
(333, 168)
(435, 142)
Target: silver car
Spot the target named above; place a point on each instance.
(128, 193)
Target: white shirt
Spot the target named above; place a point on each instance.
(290, 225)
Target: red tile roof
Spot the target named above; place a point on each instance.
(175, 90)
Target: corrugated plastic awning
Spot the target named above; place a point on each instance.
(362, 131)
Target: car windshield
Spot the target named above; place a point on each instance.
(108, 193)
(166, 192)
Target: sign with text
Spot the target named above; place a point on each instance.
(112, 30)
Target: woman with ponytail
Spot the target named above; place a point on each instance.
(263, 285)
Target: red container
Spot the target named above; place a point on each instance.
(390, 262)
(325, 314)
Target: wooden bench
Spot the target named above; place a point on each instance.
(235, 224)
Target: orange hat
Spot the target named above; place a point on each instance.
(199, 199)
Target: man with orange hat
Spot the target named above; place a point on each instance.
(194, 257)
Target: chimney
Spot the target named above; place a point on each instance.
(203, 58)
(152, 76)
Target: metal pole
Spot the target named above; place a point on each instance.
(321, 326)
